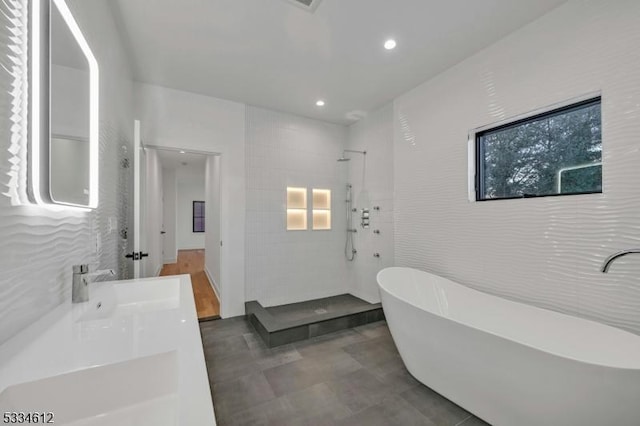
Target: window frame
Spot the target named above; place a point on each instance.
(548, 112)
(193, 217)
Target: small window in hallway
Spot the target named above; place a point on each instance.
(198, 216)
(557, 152)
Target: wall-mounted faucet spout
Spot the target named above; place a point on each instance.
(81, 279)
(609, 260)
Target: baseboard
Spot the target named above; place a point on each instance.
(214, 286)
(174, 260)
(158, 271)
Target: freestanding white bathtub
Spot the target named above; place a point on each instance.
(509, 363)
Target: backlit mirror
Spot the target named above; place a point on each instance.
(64, 119)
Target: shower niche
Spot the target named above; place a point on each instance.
(297, 209)
(321, 209)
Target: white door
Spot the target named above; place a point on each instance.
(139, 255)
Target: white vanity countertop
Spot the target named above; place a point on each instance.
(75, 337)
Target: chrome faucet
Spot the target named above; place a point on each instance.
(609, 260)
(80, 287)
(81, 280)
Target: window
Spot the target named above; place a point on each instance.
(558, 152)
(198, 216)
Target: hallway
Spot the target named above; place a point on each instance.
(192, 262)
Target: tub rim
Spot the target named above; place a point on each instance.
(559, 354)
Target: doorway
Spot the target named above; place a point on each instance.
(182, 218)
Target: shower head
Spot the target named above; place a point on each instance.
(343, 158)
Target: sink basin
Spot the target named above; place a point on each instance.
(139, 392)
(120, 299)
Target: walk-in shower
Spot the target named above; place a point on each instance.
(349, 248)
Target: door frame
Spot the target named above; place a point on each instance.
(138, 159)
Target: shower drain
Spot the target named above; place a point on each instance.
(320, 311)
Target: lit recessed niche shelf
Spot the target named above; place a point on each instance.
(321, 220)
(296, 198)
(321, 209)
(296, 209)
(296, 219)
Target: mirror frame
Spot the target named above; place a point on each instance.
(39, 140)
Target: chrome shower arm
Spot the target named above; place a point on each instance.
(355, 152)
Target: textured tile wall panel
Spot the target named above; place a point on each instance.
(545, 251)
(38, 246)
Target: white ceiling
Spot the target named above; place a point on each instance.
(273, 54)
(187, 161)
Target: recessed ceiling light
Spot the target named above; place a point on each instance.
(320, 103)
(390, 44)
(181, 152)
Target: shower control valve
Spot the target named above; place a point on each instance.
(364, 218)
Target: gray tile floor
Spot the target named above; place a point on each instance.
(351, 377)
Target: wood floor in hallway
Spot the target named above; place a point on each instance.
(192, 262)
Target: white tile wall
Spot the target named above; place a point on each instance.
(177, 119)
(290, 266)
(373, 134)
(38, 246)
(544, 251)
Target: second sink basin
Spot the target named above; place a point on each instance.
(139, 392)
(120, 299)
